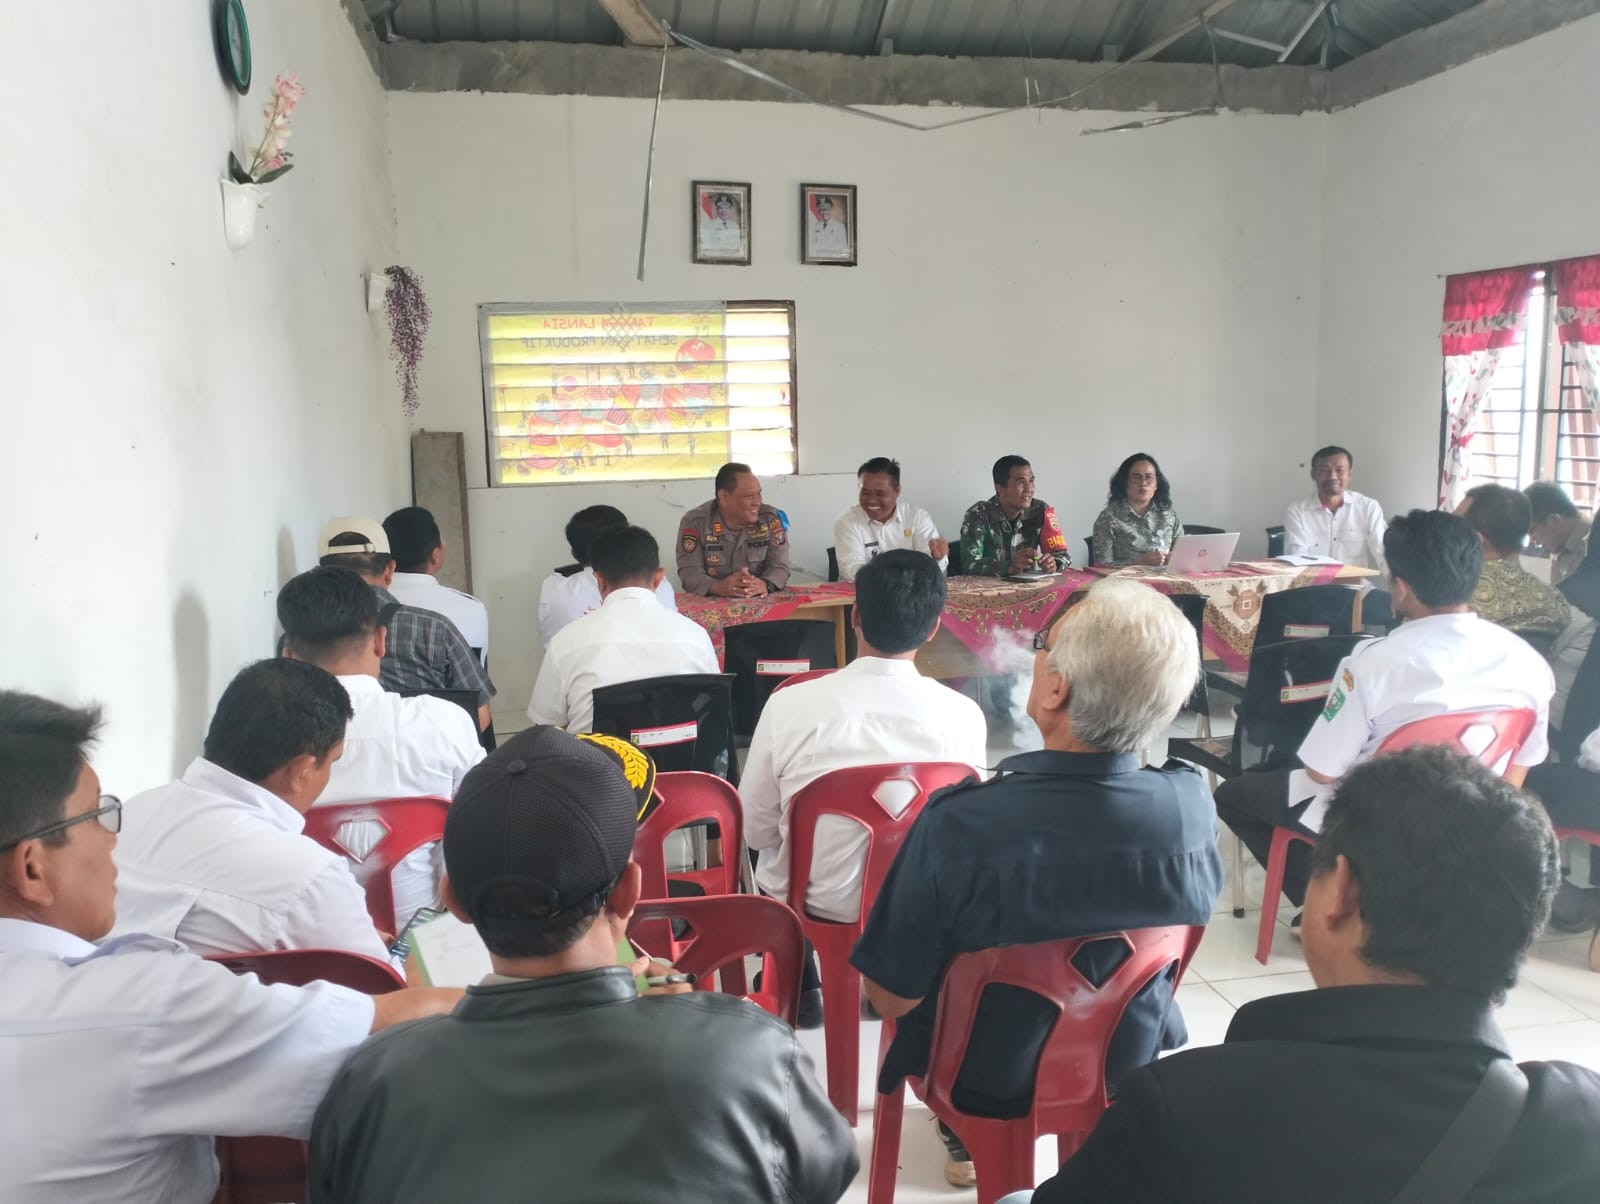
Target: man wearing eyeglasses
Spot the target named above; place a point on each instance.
(124, 1061)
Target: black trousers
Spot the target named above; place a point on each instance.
(1570, 794)
(1252, 805)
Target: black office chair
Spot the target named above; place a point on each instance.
(1193, 607)
(1197, 529)
(1088, 547)
(1285, 690)
(760, 655)
(1377, 611)
(467, 700)
(957, 566)
(833, 565)
(1277, 537)
(656, 713)
(1294, 614)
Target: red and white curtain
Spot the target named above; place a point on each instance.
(1577, 284)
(1484, 313)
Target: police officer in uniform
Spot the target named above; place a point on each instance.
(734, 546)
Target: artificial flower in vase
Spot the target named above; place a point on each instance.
(243, 192)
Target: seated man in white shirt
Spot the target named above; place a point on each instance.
(876, 710)
(1443, 658)
(1338, 522)
(571, 591)
(394, 747)
(418, 551)
(880, 522)
(628, 639)
(219, 860)
(123, 1062)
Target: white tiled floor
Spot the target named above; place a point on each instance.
(1553, 1013)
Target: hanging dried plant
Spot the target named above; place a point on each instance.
(407, 308)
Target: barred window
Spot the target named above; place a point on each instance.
(637, 392)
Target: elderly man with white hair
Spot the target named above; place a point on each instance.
(1073, 840)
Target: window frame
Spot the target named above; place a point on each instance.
(487, 308)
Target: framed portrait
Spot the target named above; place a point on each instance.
(828, 224)
(721, 222)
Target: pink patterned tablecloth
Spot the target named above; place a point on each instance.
(716, 614)
(996, 618)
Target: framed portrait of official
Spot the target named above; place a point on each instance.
(720, 222)
(828, 220)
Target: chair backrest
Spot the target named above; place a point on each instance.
(725, 929)
(958, 563)
(1088, 551)
(1070, 1085)
(1197, 529)
(1491, 735)
(272, 1170)
(686, 798)
(1277, 537)
(796, 678)
(833, 564)
(1540, 641)
(1582, 715)
(1306, 614)
(1285, 690)
(855, 794)
(760, 655)
(467, 700)
(374, 837)
(684, 721)
(1193, 607)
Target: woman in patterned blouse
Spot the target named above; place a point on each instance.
(1138, 525)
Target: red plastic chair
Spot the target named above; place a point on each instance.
(1511, 726)
(1070, 1085)
(726, 929)
(689, 797)
(797, 678)
(272, 1170)
(407, 823)
(852, 793)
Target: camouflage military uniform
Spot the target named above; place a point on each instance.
(988, 537)
(708, 549)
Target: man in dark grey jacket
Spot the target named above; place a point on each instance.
(554, 1080)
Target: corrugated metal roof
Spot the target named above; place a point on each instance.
(1085, 30)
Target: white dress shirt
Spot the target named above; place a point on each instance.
(629, 638)
(858, 538)
(469, 616)
(1352, 534)
(563, 599)
(121, 1063)
(1425, 667)
(874, 711)
(398, 747)
(221, 865)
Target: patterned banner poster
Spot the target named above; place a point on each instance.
(642, 395)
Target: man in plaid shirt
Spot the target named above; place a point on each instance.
(425, 651)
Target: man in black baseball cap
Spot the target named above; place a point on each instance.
(554, 1075)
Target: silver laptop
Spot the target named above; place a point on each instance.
(1202, 553)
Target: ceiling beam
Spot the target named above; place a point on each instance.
(1299, 37)
(881, 34)
(638, 24)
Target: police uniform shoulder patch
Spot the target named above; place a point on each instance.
(775, 529)
(1336, 702)
(1347, 679)
(690, 539)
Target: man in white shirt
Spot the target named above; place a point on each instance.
(123, 1062)
(394, 747)
(829, 235)
(1443, 658)
(876, 710)
(880, 522)
(1338, 522)
(628, 639)
(219, 860)
(571, 591)
(418, 551)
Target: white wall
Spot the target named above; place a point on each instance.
(1021, 289)
(1493, 164)
(179, 419)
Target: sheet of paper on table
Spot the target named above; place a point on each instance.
(1303, 560)
(452, 954)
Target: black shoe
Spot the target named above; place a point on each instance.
(1575, 909)
(810, 1013)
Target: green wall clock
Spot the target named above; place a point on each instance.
(232, 34)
